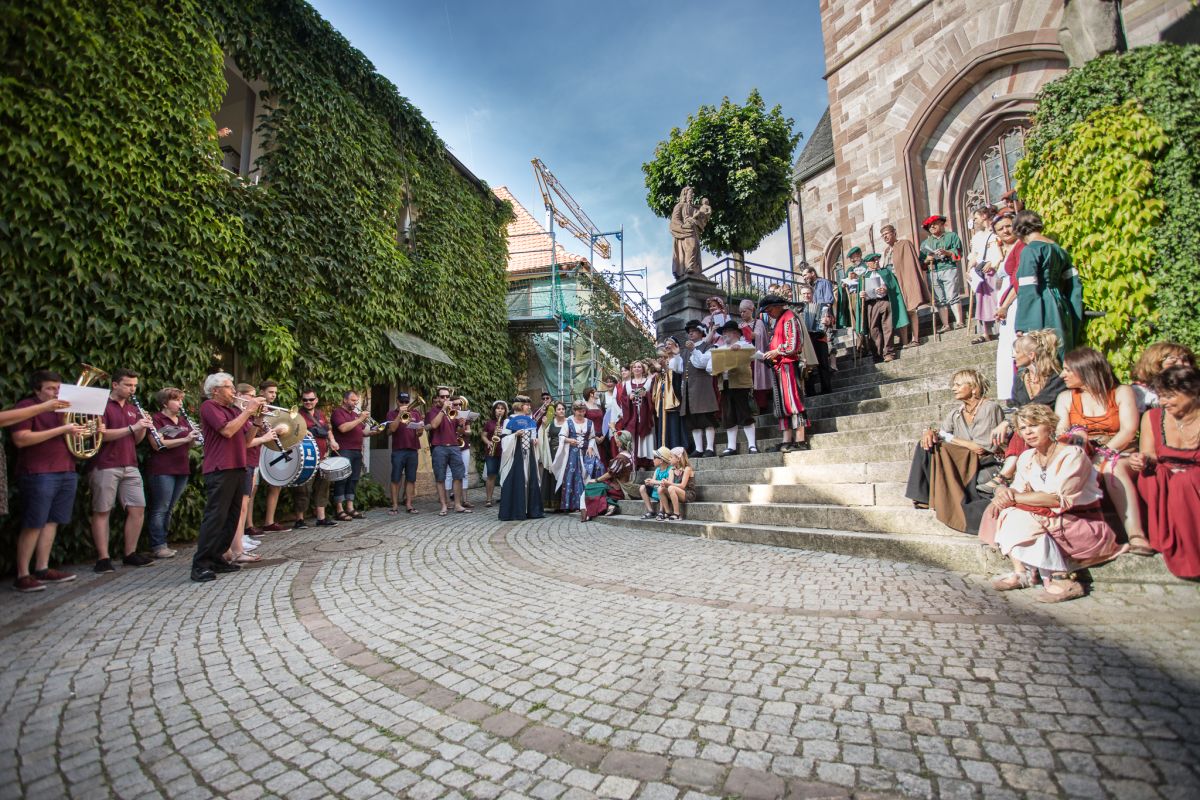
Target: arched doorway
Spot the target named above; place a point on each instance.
(831, 260)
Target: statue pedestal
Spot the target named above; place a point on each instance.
(683, 301)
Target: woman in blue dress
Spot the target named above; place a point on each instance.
(576, 462)
(520, 491)
(1049, 292)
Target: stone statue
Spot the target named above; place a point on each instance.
(1090, 28)
(687, 220)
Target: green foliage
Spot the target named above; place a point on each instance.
(1094, 187)
(1164, 82)
(609, 324)
(125, 244)
(740, 158)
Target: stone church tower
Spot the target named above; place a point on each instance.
(929, 101)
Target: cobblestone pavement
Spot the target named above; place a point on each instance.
(444, 657)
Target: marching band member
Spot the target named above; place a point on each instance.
(349, 421)
(444, 451)
(113, 473)
(698, 398)
(637, 416)
(545, 409)
(257, 434)
(322, 432)
(167, 467)
(787, 356)
(491, 447)
(737, 408)
(520, 489)
(45, 473)
(406, 445)
(224, 429)
(269, 390)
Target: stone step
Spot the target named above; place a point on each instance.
(923, 384)
(892, 371)
(843, 494)
(882, 519)
(919, 359)
(929, 342)
(855, 404)
(958, 553)
(882, 419)
(869, 472)
(896, 451)
(887, 434)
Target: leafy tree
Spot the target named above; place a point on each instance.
(740, 158)
(608, 323)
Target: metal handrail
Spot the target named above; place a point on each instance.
(754, 278)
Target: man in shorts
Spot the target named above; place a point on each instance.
(113, 474)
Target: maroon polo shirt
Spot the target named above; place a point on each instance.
(123, 451)
(221, 453)
(351, 439)
(174, 460)
(315, 421)
(51, 455)
(252, 431)
(446, 433)
(403, 438)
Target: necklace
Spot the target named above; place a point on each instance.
(1045, 464)
(1184, 438)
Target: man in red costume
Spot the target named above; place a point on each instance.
(787, 357)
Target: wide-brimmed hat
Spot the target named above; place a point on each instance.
(695, 325)
(663, 453)
(771, 300)
(730, 325)
(932, 219)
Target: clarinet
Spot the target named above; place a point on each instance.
(153, 430)
(199, 435)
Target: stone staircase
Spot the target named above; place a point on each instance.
(846, 494)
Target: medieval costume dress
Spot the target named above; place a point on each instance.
(1005, 360)
(756, 334)
(597, 415)
(1170, 488)
(520, 492)
(902, 260)
(637, 417)
(547, 451)
(575, 464)
(1049, 294)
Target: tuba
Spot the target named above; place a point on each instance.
(406, 416)
(87, 445)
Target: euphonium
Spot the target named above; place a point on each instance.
(86, 445)
(459, 404)
(406, 416)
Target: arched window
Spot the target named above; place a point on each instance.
(994, 178)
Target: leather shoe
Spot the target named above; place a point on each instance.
(203, 575)
(222, 567)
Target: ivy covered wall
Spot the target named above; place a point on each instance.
(124, 243)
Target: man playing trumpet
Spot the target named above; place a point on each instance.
(406, 445)
(444, 425)
(350, 423)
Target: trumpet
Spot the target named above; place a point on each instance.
(457, 404)
(369, 424)
(264, 410)
(406, 416)
(88, 444)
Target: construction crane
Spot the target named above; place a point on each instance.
(581, 227)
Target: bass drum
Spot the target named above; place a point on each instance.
(294, 466)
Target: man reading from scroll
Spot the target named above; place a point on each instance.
(687, 220)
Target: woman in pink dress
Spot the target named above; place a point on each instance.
(1049, 521)
(1168, 467)
(754, 331)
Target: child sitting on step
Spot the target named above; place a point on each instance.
(649, 490)
(680, 487)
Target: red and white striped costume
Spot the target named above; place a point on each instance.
(789, 402)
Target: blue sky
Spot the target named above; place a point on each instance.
(589, 88)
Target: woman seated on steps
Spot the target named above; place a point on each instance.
(1039, 380)
(1169, 470)
(948, 459)
(681, 485)
(651, 488)
(1100, 415)
(1049, 521)
(615, 481)
(1156, 358)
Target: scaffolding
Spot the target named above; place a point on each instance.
(551, 304)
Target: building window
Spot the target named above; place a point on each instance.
(994, 178)
(235, 125)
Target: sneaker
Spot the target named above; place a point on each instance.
(27, 584)
(274, 527)
(253, 531)
(249, 544)
(326, 523)
(53, 576)
(251, 541)
(164, 552)
(104, 565)
(298, 524)
(137, 560)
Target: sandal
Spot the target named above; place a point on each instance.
(412, 511)
(672, 517)
(648, 515)
(1069, 590)
(1013, 580)
(393, 512)
(463, 510)
(356, 514)
(344, 517)
(981, 339)
(488, 504)
(1140, 546)
(245, 558)
(995, 483)
(661, 517)
(443, 512)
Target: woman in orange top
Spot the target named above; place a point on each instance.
(1101, 415)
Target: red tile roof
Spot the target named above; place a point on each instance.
(529, 241)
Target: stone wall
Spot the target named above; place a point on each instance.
(820, 220)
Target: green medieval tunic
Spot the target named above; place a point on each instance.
(947, 241)
(895, 300)
(1049, 294)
